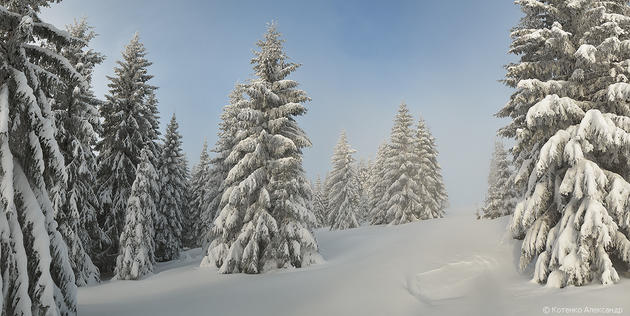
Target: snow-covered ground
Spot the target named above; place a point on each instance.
(450, 266)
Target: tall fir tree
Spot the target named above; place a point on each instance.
(172, 204)
(326, 189)
(129, 123)
(77, 121)
(265, 220)
(37, 276)
(187, 220)
(377, 186)
(137, 244)
(500, 200)
(320, 203)
(200, 176)
(344, 185)
(402, 199)
(363, 177)
(570, 121)
(220, 166)
(434, 198)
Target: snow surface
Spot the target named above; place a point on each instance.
(450, 266)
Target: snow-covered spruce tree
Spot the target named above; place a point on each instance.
(220, 166)
(137, 245)
(187, 221)
(344, 188)
(266, 218)
(129, 123)
(77, 120)
(570, 120)
(173, 181)
(320, 203)
(377, 186)
(37, 276)
(199, 178)
(434, 198)
(500, 198)
(363, 177)
(402, 200)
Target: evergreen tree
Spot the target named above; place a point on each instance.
(77, 121)
(500, 199)
(569, 118)
(320, 204)
(187, 220)
(363, 177)
(198, 181)
(265, 219)
(35, 269)
(377, 186)
(344, 193)
(129, 123)
(402, 200)
(220, 166)
(326, 189)
(137, 246)
(173, 175)
(434, 197)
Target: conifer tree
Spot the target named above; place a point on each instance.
(320, 203)
(500, 198)
(363, 177)
(377, 187)
(76, 203)
(200, 176)
(402, 200)
(344, 193)
(36, 272)
(137, 245)
(265, 219)
(173, 181)
(220, 166)
(187, 219)
(129, 123)
(434, 197)
(570, 121)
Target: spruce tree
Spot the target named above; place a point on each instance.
(37, 276)
(434, 197)
(569, 118)
(402, 200)
(187, 219)
(137, 245)
(77, 121)
(173, 182)
(265, 220)
(500, 198)
(344, 193)
(198, 181)
(220, 166)
(363, 178)
(377, 187)
(320, 203)
(129, 123)
(326, 189)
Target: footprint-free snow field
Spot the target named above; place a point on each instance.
(450, 266)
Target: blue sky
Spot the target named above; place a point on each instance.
(360, 60)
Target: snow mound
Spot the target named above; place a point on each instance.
(451, 281)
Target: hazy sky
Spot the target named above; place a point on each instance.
(360, 60)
